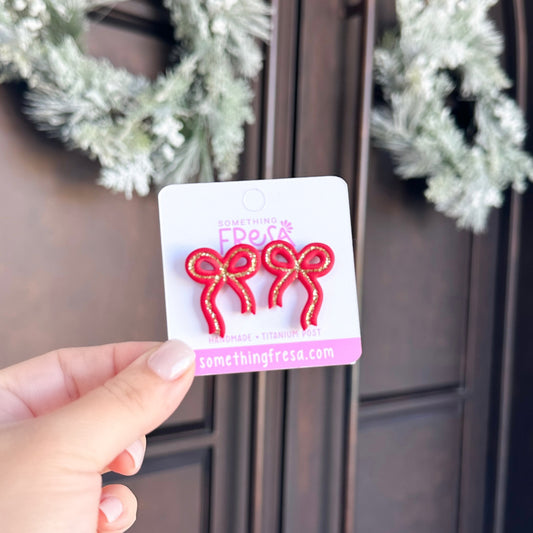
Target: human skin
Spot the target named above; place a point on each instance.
(69, 416)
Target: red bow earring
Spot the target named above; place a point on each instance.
(223, 270)
(314, 260)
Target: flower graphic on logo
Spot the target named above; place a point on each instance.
(287, 225)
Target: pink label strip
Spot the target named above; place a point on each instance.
(227, 360)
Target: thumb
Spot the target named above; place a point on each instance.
(101, 424)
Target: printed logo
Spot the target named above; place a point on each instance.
(257, 232)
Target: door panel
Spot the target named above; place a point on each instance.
(196, 410)
(79, 265)
(417, 268)
(172, 493)
(409, 468)
(428, 319)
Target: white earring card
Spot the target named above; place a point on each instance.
(259, 275)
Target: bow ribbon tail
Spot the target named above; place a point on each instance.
(244, 293)
(314, 300)
(238, 274)
(210, 310)
(283, 280)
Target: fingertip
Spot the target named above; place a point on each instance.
(171, 360)
(111, 507)
(136, 452)
(117, 509)
(129, 462)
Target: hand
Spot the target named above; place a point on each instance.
(68, 416)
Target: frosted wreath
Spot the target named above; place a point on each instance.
(187, 124)
(445, 52)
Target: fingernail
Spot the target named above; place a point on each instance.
(111, 507)
(171, 360)
(136, 451)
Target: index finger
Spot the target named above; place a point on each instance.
(45, 383)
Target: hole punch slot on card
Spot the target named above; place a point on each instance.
(254, 200)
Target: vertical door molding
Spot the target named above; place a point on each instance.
(366, 9)
(268, 435)
(513, 463)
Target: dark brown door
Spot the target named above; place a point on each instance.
(274, 452)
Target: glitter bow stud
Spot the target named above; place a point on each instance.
(315, 260)
(223, 270)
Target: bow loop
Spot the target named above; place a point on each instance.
(201, 257)
(248, 268)
(316, 259)
(281, 249)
